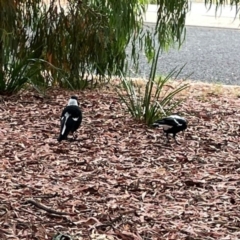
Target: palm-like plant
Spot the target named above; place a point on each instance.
(156, 100)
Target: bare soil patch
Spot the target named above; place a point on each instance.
(120, 180)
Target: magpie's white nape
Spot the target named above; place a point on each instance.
(73, 101)
(71, 119)
(172, 124)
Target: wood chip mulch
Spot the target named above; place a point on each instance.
(119, 180)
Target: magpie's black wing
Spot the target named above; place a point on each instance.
(75, 117)
(167, 121)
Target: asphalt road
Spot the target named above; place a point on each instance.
(211, 55)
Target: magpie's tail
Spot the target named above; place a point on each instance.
(61, 137)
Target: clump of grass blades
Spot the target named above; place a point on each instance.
(157, 99)
(16, 74)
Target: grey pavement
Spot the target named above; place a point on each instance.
(210, 54)
(199, 15)
(210, 50)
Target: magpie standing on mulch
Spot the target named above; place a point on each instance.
(171, 124)
(71, 119)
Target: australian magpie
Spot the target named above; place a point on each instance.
(71, 118)
(172, 124)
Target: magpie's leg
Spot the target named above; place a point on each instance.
(174, 136)
(183, 134)
(167, 137)
(74, 136)
(71, 139)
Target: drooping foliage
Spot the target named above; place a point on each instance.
(79, 38)
(76, 43)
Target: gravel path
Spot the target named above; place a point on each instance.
(210, 54)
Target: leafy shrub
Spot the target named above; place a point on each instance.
(84, 38)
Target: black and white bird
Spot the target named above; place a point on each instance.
(71, 118)
(172, 124)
